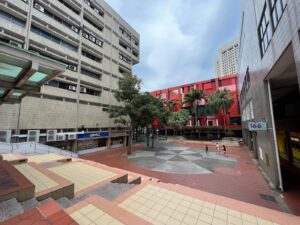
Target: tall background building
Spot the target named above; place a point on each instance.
(269, 88)
(97, 46)
(227, 61)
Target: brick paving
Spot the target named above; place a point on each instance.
(244, 182)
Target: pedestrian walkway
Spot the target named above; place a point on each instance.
(147, 201)
(239, 177)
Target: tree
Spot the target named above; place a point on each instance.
(179, 119)
(221, 100)
(148, 109)
(192, 99)
(126, 114)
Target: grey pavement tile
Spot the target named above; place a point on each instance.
(181, 168)
(178, 158)
(147, 162)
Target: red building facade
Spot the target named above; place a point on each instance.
(204, 119)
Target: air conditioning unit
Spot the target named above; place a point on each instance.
(38, 7)
(82, 90)
(91, 38)
(33, 136)
(100, 43)
(85, 35)
(5, 135)
(72, 88)
(71, 136)
(26, 1)
(16, 44)
(96, 10)
(75, 29)
(51, 135)
(73, 68)
(61, 137)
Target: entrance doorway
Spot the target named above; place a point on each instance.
(285, 95)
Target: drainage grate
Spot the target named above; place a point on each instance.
(267, 198)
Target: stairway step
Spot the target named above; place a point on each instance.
(9, 209)
(29, 204)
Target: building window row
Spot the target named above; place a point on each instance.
(125, 33)
(92, 38)
(98, 11)
(277, 8)
(88, 91)
(248, 113)
(11, 19)
(124, 58)
(91, 74)
(93, 24)
(65, 3)
(56, 18)
(246, 85)
(264, 31)
(92, 57)
(62, 85)
(52, 38)
(125, 46)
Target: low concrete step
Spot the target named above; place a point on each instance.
(9, 208)
(29, 204)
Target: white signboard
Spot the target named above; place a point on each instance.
(254, 126)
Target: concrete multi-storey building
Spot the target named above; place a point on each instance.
(269, 86)
(211, 124)
(96, 45)
(227, 61)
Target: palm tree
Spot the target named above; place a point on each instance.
(221, 100)
(192, 99)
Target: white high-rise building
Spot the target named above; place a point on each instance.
(96, 45)
(227, 61)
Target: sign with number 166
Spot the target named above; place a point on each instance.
(257, 126)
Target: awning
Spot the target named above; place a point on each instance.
(23, 72)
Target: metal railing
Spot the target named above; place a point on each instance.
(33, 147)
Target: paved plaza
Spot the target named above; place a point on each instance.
(234, 175)
(181, 160)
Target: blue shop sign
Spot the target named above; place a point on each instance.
(93, 135)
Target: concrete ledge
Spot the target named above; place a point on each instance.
(15, 184)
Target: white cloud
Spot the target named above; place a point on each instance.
(179, 38)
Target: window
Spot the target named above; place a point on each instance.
(246, 85)
(51, 37)
(124, 58)
(56, 18)
(125, 33)
(92, 57)
(12, 19)
(264, 31)
(91, 74)
(93, 24)
(68, 6)
(277, 8)
(62, 85)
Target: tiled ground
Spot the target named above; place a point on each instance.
(161, 206)
(236, 182)
(92, 215)
(181, 160)
(40, 180)
(45, 158)
(82, 175)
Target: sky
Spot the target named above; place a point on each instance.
(179, 39)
